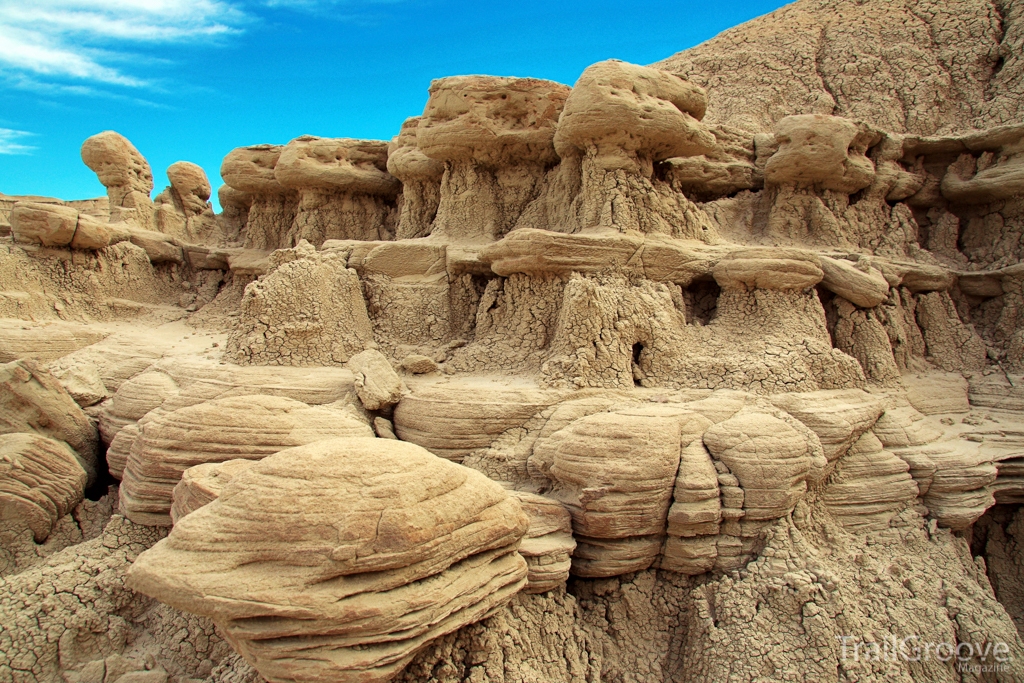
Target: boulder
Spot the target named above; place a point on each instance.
(377, 384)
(41, 480)
(34, 401)
(248, 427)
(394, 548)
(548, 544)
(202, 484)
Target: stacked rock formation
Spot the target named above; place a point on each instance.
(675, 375)
(419, 547)
(249, 427)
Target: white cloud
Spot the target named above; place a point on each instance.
(8, 144)
(78, 39)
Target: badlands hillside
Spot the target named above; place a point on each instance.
(711, 370)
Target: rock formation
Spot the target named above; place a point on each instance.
(703, 370)
(441, 554)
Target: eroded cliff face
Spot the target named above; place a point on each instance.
(710, 370)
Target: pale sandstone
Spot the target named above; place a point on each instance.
(41, 480)
(249, 427)
(420, 547)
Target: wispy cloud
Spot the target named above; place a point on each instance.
(8, 144)
(88, 40)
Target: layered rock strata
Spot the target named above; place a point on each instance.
(419, 547)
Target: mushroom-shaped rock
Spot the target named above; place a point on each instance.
(495, 137)
(618, 121)
(126, 175)
(183, 210)
(191, 185)
(33, 400)
(816, 162)
(377, 383)
(248, 427)
(202, 484)
(344, 189)
(823, 151)
(548, 545)
(307, 311)
(273, 206)
(421, 182)
(41, 480)
(393, 548)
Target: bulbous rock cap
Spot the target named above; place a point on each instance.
(491, 119)
(189, 180)
(827, 151)
(251, 169)
(406, 161)
(336, 164)
(637, 109)
(116, 162)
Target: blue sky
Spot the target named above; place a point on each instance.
(192, 79)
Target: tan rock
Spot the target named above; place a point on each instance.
(866, 288)
(307, 311)
(191, 186)
(43, 342)
(125, 173)
(413, 547)
(772, 461)
(418, 364)
(870, 486)
(452, 419)
(46, 224)
(935, 393)
(203, 484)
(249, 427)
(33, 401)
(494, 134)
(824, 151)
(618, 121)
(838, 417)
(548, 544)
(376, 382)
(421, 182)
(95, 234)
(540, 251)
(615, 472)
(41, 480)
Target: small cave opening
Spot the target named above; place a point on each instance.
(701, 300)
(638, 374)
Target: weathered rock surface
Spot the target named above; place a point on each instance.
(419, 548)
(33, 401)
(548, 544)
(249, 427)
(202, 484)
(41, 480)
(736, 338)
